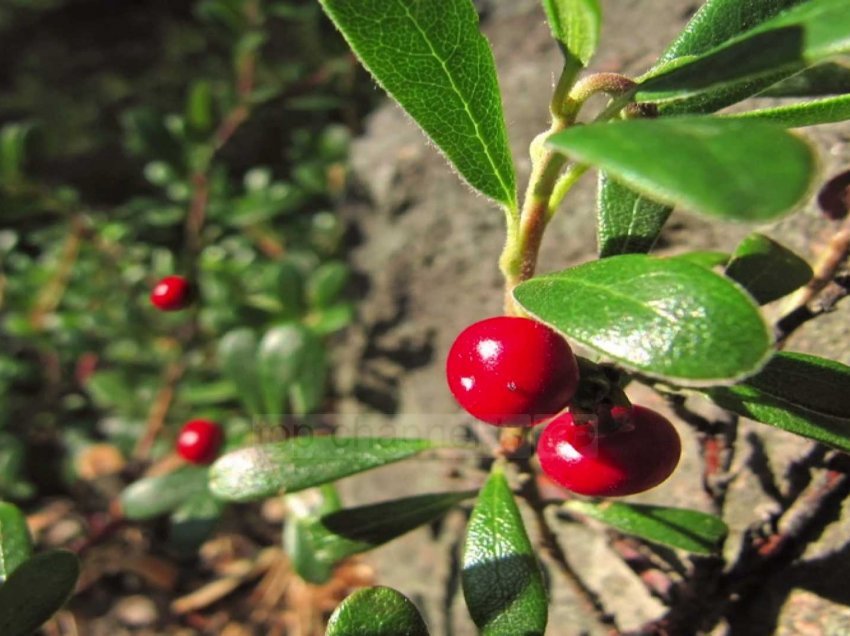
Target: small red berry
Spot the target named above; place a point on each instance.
(640, 450)
(511, 371)
(199, 441)
(172, 293)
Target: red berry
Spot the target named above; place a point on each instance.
(510, 371)
(172, 293)
(199, 441)
(640, 450)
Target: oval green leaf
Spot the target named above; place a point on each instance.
(376, 611)
(501, 577)
(193, 522)
(326, 283)
(576, 25)
(268, 469)
(627, 223)
(806, 34)
(749, 171)
(706, 259)
(799, 393)
(150, 497)
(689, 530)
(237, 353)
(821, 111)
(279, 360)
(308, 388)
(766, 269)
(431, 58)
(343, 533)
(666, 318)
(15, 541)
(36, 590)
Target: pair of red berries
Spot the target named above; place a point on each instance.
(172, 293)
(511, 371)
(199, 441)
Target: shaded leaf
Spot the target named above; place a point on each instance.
(194, 521)
(576, 25)
(627, 223)
(309, 387)
(796, 392)
(150, 497)
(501, 578)
(36, 590)
(15, 541)
(804, 35)
(824, 79)
(431, 58)
(689, 530)
(723, 167)
(667, 318)
(766, 269)
(822, 111)
(376, 611)
(346, 532)
(268, 469)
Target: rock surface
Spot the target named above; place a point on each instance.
(427, 253)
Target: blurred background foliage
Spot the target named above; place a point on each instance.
(141, 139)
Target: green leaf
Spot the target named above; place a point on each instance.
(806, 34)
(309, 388)
(501, 578)
(576, 25)
(153, 496)
(279, 360)
(767, 269)
(237, 353)
(430, 57)
(824, 79)
(15, 541)
(750, 171)
(343, 533)
(200, 114)
(303, 508)
(706, 259)
(36, 590)
(376, 611)
(666, 318)
(822, 111)
(194, 521)
(269, 469)
(15, 142)
(627, 222)
(796, 392)
(326, 283)
(689, 530)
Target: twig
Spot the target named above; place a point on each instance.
(51, 294)
(159, 409)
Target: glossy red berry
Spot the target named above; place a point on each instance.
(640, 450)
(199, 441)
(511, 371)
(172, 293)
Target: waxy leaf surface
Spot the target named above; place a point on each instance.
(501, 578)
(260, 471)
(667, 318)
(431, 58)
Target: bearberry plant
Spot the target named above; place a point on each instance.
(686, 325)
